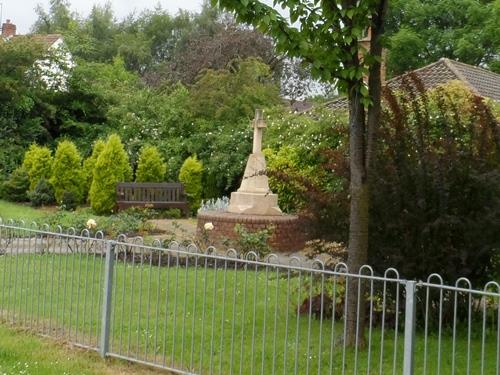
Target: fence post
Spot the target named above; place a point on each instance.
(409, 337)
(107, 296)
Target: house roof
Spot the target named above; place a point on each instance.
(49, 39)
(301, 106)
(481, 81)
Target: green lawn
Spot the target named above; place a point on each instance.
(9, 210)
(27, 354)
(188, 317)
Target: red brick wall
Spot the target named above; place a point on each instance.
(288, 234)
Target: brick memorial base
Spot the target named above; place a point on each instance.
(288, 234)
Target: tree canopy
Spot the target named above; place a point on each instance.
(422, 31)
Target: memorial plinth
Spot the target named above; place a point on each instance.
(288, 234)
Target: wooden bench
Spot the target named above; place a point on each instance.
(151, 195)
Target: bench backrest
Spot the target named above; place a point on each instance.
(150, 192)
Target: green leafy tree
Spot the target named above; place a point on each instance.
(335, 55)
(421, 32)
(37, 163)
(89, 165)
(151, 167)
(112, 166)
(67, 174)
(405, 52)
(191, 176)
(228, 95)
(56, 20)
(21, 118)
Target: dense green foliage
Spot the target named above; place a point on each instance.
(19, 105)
(150, 167)
(112, 166)
(436, 203)
(290, 192)
(67, 174)
(89, 165)
(190, 175)
(15, 188)
(421, 32)
(43, 194)
(38, 163)
(436, 196)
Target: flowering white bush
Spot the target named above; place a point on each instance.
(208, 226)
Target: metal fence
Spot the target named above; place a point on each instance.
(190, 312)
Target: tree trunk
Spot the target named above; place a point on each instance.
(375, 84)
(358, 223)
(362, 144)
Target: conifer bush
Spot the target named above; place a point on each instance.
(69, 201)
(112, 166)
(42, 194)
(89, 165)
(190, 175)
(15, 188)
(37, 163)
(150, 167)
(67, 171)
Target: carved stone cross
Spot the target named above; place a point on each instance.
(258, 124)
(254, 196)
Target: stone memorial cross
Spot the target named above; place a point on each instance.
(254, 196)
(258, 125)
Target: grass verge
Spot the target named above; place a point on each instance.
(23, 353)
(16, 211)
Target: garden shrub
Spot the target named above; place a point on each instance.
(436, 185)
(37, 163)
(67, 175)
(291, 192)
(112, 166)
(42, 194)
(111, 226)
(257, 241)
(89, 165)
(150, 167)
(222, 169)
(69, 202)
(190, 175)
(15, 188)
(150, 213)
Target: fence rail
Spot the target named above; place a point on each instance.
(195, 312)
